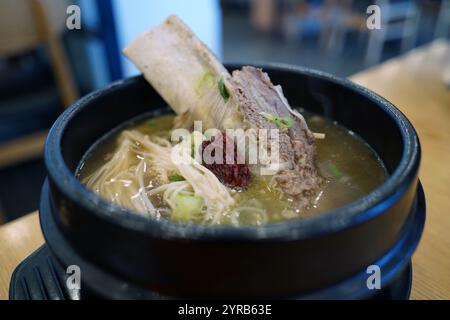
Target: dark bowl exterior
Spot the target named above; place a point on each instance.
(278, 260)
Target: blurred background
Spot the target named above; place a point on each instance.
(45, 66)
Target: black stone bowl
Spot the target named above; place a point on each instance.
(123, 255)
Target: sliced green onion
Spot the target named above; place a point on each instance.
(335, 171)
(280, 122)
(176, 177)
(187, 207)
(151, 124)
(206, 79)
(223, 90)
(286, 122)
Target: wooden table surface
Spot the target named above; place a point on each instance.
(414, 84)
(17, 240)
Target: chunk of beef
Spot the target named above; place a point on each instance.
(258, 97)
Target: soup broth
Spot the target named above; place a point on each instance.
(350, 169)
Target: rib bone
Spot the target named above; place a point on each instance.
(185, 73)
